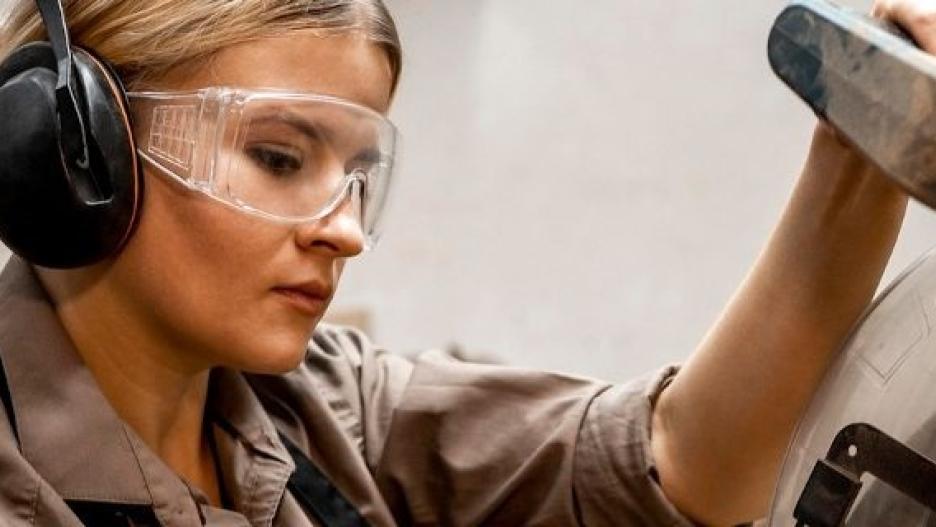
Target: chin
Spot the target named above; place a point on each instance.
(273, 356)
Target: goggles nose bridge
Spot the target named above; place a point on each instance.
(353, 185)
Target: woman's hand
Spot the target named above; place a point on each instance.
(917, 17)
(721, 428)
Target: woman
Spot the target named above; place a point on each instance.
(166, 382)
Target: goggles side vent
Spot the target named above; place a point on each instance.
(171, 134)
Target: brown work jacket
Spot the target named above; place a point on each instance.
(428, 441)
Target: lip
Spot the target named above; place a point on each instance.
(309, 297)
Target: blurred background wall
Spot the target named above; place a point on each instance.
(584, 187)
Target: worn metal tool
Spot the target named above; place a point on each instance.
(869, 81)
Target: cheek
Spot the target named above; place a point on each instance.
(201, 272)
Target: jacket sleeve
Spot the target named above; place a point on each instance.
(615, 479)
(456, 443)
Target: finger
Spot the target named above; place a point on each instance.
(916, 17)
(881, 8)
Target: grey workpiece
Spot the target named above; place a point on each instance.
(869, 81)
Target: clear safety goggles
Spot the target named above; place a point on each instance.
(284, 156)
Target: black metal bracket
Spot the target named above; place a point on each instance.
(860, 449)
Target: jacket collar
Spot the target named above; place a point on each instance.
(67, 430)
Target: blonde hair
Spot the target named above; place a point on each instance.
(144, 40)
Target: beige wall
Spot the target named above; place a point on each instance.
(583, 188)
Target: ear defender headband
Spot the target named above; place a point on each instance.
(70, 182)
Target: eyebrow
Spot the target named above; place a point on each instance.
(294, 121)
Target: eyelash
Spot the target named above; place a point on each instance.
(274, 160)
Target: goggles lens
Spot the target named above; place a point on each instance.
(286, 156)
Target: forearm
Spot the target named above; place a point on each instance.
(721, 428)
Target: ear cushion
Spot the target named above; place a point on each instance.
(56, 215)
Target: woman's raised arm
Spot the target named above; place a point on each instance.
(721, 429)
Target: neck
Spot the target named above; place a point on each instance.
(147, 380)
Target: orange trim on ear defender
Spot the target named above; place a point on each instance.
(121, 98)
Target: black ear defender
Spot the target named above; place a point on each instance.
(71, 185)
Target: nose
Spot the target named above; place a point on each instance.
(340, 233)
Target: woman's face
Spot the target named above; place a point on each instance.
(227, 288)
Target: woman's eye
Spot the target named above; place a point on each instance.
(277, 160)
